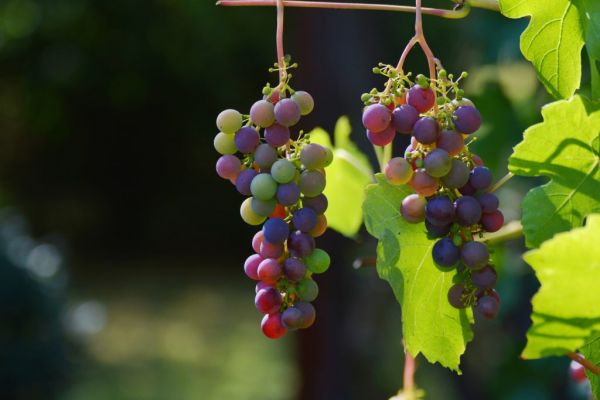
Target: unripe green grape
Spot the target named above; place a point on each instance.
(307, 290)
(304, 101)
(263, 186)
(437, 163)
(329, 157)
(398, 171)
(263, 208)
(312, 183)
(224, 144)
(318, 261)
(248, 214)
(283, 171)
(229, 121)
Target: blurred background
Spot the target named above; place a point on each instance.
(121, 250)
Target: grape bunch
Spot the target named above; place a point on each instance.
(450, 182)
(283, 179)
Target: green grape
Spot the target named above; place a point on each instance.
(304, 101)
(318, 261)
(229, 121)
(283, 171)
(248, 214)
(328, 157)
(263, 186)
(263, 207)
(307, 289)
(224, 144)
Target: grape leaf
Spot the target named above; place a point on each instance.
(590, 16)
(430, 325)
(564, 148)
(565, 309)
(552, 41)
(347, 176)
(591, 351)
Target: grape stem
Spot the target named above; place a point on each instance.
(593, 368)
(501, 182)
(512, 230)
(410, 366)
(279, 42)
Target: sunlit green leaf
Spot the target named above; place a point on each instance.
(591, 351)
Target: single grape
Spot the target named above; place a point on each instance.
(467, 190)
(458, 175)
(294, 269)
(318, 261)
(404, 118)
(304, 219)
(283, 171)
(280, 212)
(312, 183)
(269, 270)
(229, 121)
(328, 157)
(437, 231)
(262, 285)
(300, 244)
(224, 144)
(445, 253)
(382, 138)
(292, 318)
(457, 296)
(276, 230)
(413, 208)
(263, 186)
(277, 135)
(307, 290)
(488, 202)
(263, 207)
(246, 140)
(423, 183)
(463, 101)
(248, 215)
(265, 156)
(262, 113)
(308, 313)
(288, 194)
(467, 119)
(271, 250)
(287, 112)
(488, 307)
(376, 117)
(492, 222)
(251, 266)
(474, 255)
(320, 227)
(272, 326)
(468, 210)
(426, 130)
(313, 156)
(484, 278)
(228, 166)
(422, 99)
(304, 101)
(439, 211)
(318, 203)
(480, 178)
(267, 300)
(243, 181)
(398, 171)
(451, 141)
(437, 163)
(257, 240)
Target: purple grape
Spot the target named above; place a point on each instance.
(457, 296)
(292, 318)
(467, 190)
(272, 326)
(488, 307)
(300, 244)
(404, 118)
(474, 255)
(269, 270)
(488, 202)
(467, 119)
(288, 194)
(262, 285)
(262, 114)
(426, 130)
(437, 163)
(294, 269)
(376, 117)
(228, 166)
(423, 183)
(450, 141)
(318, 204)
(251, 266)
(439, 211)
(243, 181)
(481, 178)
(307, 290)
(268, 300)
(437, 231)
(398, 171)
(246, 140)
(312, 183)
(468, 210)
(277, 135)
(257, 240)
(265, 156)
(287, 112)
(458, 175)
(308, 313)
(313, 156)
(492, 222)
(413, 208)
(276, 230)
(445, 253)
(409, 149)
(422, 99)
(304, 219)
(484, 278)
(270, 250)
(382, 138)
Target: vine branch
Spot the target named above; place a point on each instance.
(586, 363)
(279, 42)
(512, 230)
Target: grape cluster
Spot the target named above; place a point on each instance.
(450, 182)
(284, 179)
